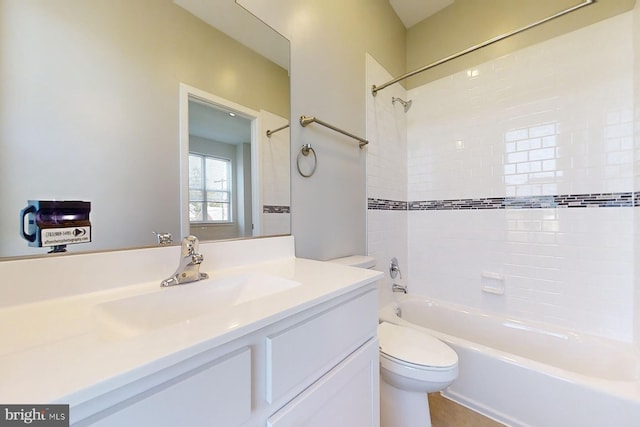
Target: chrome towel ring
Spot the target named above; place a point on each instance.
(305, 150)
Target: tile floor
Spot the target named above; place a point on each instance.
(445, 413)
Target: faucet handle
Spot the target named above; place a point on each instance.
(190, 245)
(163, 238)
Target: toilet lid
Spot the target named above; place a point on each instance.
(361, 261)
(413, 346)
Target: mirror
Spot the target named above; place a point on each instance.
(234, 168)
(91, 102)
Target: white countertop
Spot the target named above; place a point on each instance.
(54, 350)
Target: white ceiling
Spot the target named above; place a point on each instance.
(413, 11)
(207, 121)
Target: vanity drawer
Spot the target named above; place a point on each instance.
(217, 393)
(347, 396)
(302, 353)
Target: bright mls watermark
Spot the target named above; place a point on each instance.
(34, 415)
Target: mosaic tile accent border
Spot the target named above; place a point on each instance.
(276, 209)
(386, 205)
(590, 200)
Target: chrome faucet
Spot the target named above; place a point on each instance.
(189, 267)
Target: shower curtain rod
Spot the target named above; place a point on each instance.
(375, 89)
(271, 132)
(305, 120)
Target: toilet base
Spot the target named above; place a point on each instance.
(401, 408)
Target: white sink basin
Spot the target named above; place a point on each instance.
(182, 303)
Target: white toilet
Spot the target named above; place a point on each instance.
(412, 364)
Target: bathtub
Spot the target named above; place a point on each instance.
(526, 374)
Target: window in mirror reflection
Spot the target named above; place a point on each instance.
(210, 198)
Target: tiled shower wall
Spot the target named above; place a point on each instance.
(386, 177)
(521, 181)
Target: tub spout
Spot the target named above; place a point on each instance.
(399, 288)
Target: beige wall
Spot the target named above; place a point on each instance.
(328, 80)
(329, 40)
(469, 22)
(89, 97)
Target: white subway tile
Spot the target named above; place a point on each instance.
(525, 124)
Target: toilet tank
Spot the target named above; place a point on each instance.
(361, 261)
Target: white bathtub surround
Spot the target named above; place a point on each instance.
(568, 267)
(387, 230)
(523, 373)
(554, 119)
(62, 343)
(636, 59)
(386, 132)
(386, 175)
(495, 155)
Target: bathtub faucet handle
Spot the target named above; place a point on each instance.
(394, 268)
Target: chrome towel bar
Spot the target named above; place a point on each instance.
(305, 120)
(271, 132)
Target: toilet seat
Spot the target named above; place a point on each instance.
(414, 349)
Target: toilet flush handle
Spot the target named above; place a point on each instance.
(394, 268)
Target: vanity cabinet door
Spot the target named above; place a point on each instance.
(347, 396)
(216, 394)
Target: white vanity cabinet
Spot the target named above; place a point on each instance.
(315, 367)
(217, 393)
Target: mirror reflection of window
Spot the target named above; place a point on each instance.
(210, 187)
